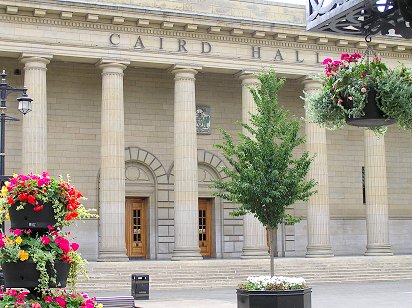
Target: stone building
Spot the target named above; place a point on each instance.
(118, 86)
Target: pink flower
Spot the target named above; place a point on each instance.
(354, 57)
(43, 181)
(363, 90)
(327, 60)
(336, 63)
(345, 56)
(75, 246)
(63, 244)
(17, 232)
(60, 301)
(48, 299)
(350, 98)
(45, 240)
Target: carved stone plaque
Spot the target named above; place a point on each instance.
(203, 120)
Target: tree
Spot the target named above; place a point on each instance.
(264, 174)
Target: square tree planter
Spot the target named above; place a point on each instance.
(274, 299)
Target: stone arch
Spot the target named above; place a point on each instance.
(145, 158)
(210, 165)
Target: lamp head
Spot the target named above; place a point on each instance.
(24, 103)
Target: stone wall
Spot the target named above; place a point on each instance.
(74, 95)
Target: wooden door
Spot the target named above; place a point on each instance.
(135, 228)
(205, 227)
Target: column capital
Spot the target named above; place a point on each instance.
(33, 61)
(248, 77)
(112, 66)
(185, 71)
(310, 84)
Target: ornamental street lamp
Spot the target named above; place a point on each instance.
(24, 107)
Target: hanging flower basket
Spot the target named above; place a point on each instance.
(27, 218)
(24, 274)
(35, 254)
(373, 115)
(27, 256)
(361, 91)
(36, 201)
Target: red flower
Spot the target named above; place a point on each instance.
(10, 200)
(23, 197)
(38, 208)
(31, 199)
(66, 259)
(71, 216)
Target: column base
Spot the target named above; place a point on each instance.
(319, 251)
(255, 253)
(112, 256)
(379, 250)
(186, 253)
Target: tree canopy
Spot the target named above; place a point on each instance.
(265, 176)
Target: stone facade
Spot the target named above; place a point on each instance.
(116, 84)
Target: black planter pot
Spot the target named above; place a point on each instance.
(27, 218)
(23, 274)
(373, 117)
(274, 299)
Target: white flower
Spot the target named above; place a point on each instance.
(281, 283)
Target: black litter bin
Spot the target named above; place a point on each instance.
(140, 286)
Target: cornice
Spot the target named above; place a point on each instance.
(263, 42)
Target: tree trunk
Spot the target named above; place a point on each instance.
(272, 247)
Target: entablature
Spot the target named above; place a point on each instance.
(187, 24)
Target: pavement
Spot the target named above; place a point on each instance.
(386, 294)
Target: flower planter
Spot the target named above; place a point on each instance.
(23, 274)
(27, 218)
(274, 299)
(374, 117)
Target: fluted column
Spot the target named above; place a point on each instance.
(186, 209)
(376, 196)
(34, 135)
(112, 246)
(318, 204)
(254, 233)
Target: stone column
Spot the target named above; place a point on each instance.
(112, 245)
(318, 204)
(186, 209)
(376, 196)
(254, 233)
(34, 134)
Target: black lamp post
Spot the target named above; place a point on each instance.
(24, 107)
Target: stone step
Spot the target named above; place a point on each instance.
(229, 273)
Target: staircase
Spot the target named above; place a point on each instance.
(116, 277)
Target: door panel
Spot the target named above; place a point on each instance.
(135, 228)
(205, 227)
